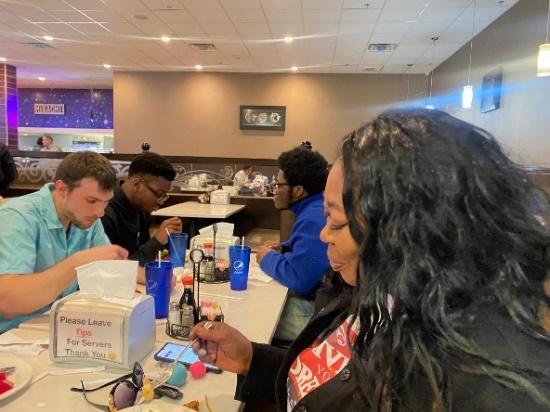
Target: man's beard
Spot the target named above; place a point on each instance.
(74, 221)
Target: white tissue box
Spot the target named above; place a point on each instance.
(220, 197)
(91, 330)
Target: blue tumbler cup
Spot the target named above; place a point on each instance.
(158, 282)
(239, 262)
(177, 244)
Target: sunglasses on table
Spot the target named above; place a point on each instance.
(123, 394)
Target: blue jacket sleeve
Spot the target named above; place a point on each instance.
(304, 265)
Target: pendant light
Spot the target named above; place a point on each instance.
(543, 61)
(468, 91)
(430, 105)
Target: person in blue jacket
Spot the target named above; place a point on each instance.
(300, 263)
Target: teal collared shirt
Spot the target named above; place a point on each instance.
(32, 239)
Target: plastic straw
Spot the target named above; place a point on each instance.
(170, 239)
(158, 257)
(242, 241)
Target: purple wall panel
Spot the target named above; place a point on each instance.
(84, 109)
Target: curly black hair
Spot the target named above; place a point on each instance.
(152, 164)
(442, 219)
(304, 167)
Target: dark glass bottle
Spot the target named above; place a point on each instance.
(187, 298)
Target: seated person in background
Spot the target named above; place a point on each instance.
(127, 217)
(444, 311)
(241, 177)
(39, 145)
(48, 145)
(45, 235)
(300, 263)
(8, 170)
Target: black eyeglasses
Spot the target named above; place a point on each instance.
(161, 196)
(123, 394)
(278, 185)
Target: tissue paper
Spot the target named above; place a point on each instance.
(108, 278)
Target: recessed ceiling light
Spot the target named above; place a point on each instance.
(165, 39)
(3, 59)
(198, 67)
(107, 66)
(294, 68)
(48, 38)
(41, 78)
(289, 39)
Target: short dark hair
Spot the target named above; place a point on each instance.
(304, 167)
(153, 164)
(78, 166)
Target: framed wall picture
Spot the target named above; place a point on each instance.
(262, 117)
(490, 91)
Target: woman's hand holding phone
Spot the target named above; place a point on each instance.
(225, 347)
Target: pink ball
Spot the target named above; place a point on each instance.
(197, 369)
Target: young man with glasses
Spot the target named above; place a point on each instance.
(299, 263)
(127, 217)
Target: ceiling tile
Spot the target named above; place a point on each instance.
(186, 29)
(108, 16)
(221, 30)
(360, 15)
(214, 16)
(321, 4)
(281, 4)
(193, 5)
(356, 27)
(438, 14)
(360, 4)
(245, 5)
(394, 69)
(287, 29)
(246, 16)
(70, 16)
(386, 38)
(156, 29)
(60, 29)
(87, 4)
(400, 15)
(311, 28)
(392, 28)
(398, 4)
(320, 16)
(283, 16)
(91, 28)
(164, 5)
(452, 3)
(252, 28)
(171, 16)
(482, 13)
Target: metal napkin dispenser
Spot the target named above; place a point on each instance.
(91, 330)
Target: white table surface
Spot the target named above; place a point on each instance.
(255, 312)
(199, 210)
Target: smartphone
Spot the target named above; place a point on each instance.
(170, 351)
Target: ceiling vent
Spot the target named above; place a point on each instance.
(382, 47)
(38, 45)
(203, 46)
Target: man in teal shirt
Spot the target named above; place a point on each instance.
(47, 234)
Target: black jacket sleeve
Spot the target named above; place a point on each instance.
(259, 383)
(147, 252)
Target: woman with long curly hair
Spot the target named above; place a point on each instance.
(429, 226)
